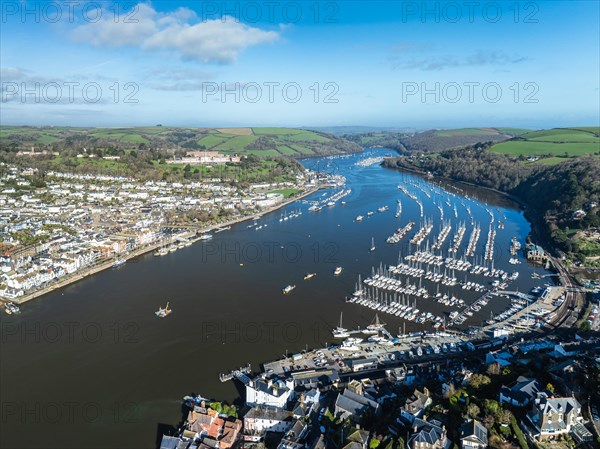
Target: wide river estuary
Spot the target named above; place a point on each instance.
(91, 366)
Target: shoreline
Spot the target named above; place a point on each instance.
(89, 271)
(530, 215)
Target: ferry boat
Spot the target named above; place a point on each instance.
(309, 276)
(119, 262)
(162, 313)
(288, 289)
(338, 271)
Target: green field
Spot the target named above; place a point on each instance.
(513, 131)
(275, 131)
(235, 144)
(212, 141)
(553, 142)
(467, 132)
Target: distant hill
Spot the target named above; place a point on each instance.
(268, 142)
(553, 187)
(434, 140)
(552, 146)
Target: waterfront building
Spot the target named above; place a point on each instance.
(276, 393)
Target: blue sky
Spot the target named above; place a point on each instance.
(287, 63)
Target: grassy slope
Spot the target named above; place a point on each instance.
(288, 141)
(559, 143)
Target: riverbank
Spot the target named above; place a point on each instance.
(537, 228)
(106, 264)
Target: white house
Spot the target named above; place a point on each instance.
(271, 392)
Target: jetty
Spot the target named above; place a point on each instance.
(240, 374)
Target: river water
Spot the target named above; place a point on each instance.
(91, 366)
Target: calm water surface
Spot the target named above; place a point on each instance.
(91, 366)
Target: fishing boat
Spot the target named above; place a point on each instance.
(338, 271)
(288, 289)
(11, 309)
(118, 262)
(372, 244)
(309, 276)
(162, 313)
(359, 218)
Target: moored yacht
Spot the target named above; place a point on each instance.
(288, 289)
(340, 331)
(375, 326)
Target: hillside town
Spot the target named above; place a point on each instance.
(535, 393)
(66, 226)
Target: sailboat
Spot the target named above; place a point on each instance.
(372, 244)
(161, 313)
(375, 326)
(340, 332)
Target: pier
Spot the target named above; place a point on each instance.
(240, 374)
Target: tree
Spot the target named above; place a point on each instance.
(493, 369)
(550, 388)
(473, 410)
(374, 443)
(504, 416)
(518, 433)
(491, 407)
(479, 380)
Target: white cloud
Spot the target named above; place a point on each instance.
(180, 31)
